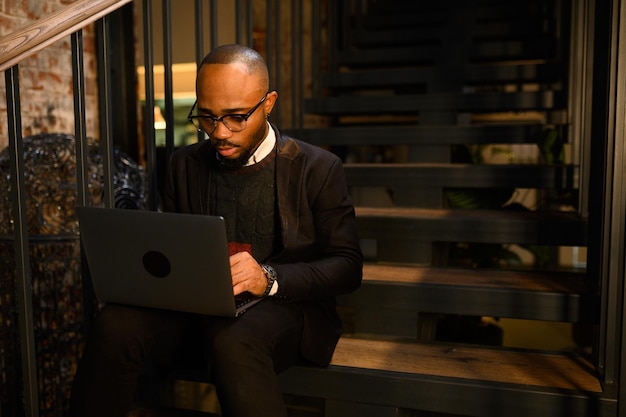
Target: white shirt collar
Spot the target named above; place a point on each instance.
(264, 148)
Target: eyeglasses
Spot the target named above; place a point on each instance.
(233, 122)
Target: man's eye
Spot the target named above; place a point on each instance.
(235, 118)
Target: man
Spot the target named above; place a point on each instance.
(293, 240)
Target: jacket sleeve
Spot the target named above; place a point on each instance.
(321, 256)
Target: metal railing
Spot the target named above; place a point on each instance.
(266, 31)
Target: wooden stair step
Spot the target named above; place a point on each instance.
(513, 50)
(392, 17)
(397, 292)
(427, 54)
(461, 175)
(480, 226)
(523, 27)
(482, 9)
(385, 57)
(499, 11)
(473, 381)
(469, 74)
(518, 280)
(401, 19)
(416, 35)
(157, 410)
(397, 7)
(527, 29)
(474, 363)
(409, 103)
(421, 135)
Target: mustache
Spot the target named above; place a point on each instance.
(216, 143)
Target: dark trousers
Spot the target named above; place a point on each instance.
(245, 355)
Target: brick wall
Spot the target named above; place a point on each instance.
(46, 89)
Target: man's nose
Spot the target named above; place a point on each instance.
(221, 131)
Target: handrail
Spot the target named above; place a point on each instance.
(25, 42)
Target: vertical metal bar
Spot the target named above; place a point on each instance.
(149, 135)
(250, 20)
(82, 181)
(602, 226)
(618, 114)
(239, 23)
(269, 34)
(598, 257)
(295, 37)
(22, 260)
(580, 93)
(607, 211)
(316, 46)
(300, 60)
(277, 55)
(296, 57)
(199, 32)
(169, 91)
(78, 80)
(345, 24)
(105, 109)
(272, 28)
(214, 19)
(333, 30)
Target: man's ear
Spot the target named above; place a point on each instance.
(269, 102)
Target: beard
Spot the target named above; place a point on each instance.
(234, 163)
(242, 159)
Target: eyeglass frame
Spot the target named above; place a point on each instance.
(191, 117)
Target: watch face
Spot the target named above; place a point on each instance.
(270, 274)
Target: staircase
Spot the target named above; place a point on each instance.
(424, 100)
(415, 93)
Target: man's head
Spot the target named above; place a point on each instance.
(233, 79)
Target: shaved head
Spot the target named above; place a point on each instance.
(230, 54)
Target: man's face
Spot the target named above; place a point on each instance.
(224, 89)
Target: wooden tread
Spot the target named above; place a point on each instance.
(484, 226)
(392, 295)
(555, 281)
(476, 102)
(502, 366)
(390, 17)
(471, 74)
(461, 175)
(458, 380)
(420, 135)
(434, 11)
(519, 29)
(427, 54)
(386, 57)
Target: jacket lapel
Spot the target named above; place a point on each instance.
(288, 170)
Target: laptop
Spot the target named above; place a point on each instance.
(160, 260)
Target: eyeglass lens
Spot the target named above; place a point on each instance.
(234, 123)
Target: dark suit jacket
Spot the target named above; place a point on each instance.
(320, 255)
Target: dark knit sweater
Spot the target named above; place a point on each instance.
(245, 197)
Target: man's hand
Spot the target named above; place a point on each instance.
(247, 274)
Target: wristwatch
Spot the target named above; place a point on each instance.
(270, 274)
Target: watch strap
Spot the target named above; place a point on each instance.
(270, 274)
